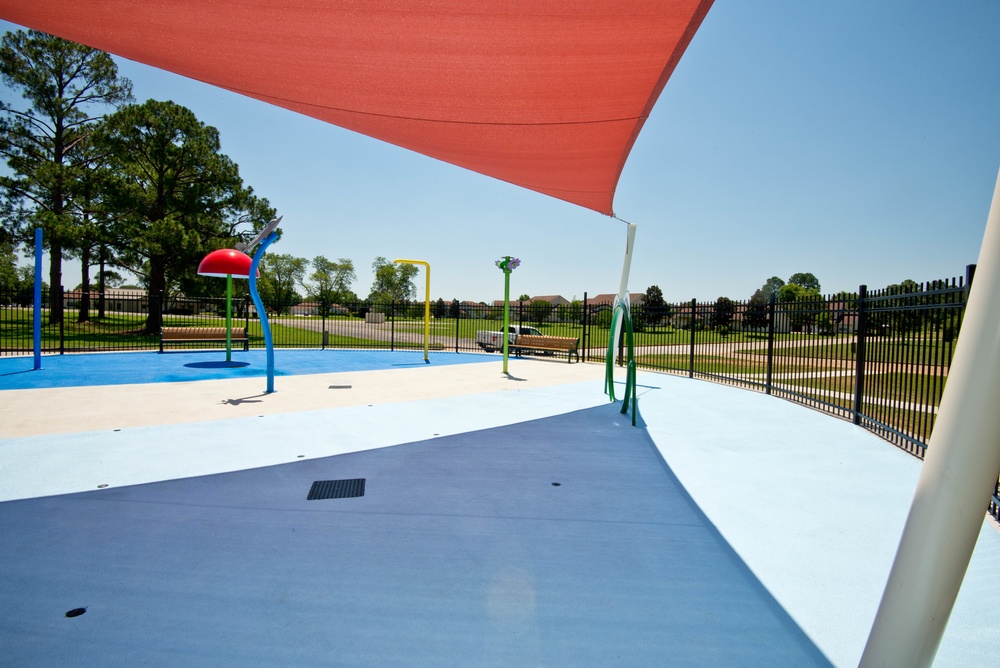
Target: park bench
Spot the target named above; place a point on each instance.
(551, 344)
(170, 335)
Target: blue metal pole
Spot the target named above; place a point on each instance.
(261, 312)
(37, 314)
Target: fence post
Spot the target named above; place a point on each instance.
(860, 352)
(323, 339)
(457, 318)
(392, 325)
(246, 318)
(149, 307)
(62, 322)
(694, 303)
(585, 334)
(771, 311)
(970, 273)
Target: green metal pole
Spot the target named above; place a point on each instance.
(506, 264)
(506, 317)
(229, 317)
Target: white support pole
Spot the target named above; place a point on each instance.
(627, 263)
(623, 296)
(957, 478)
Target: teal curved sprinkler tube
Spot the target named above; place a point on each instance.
(622, 316)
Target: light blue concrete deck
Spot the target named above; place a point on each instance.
(815, 506)
(731, 528)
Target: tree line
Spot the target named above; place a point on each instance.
(801, 302)
(800, 288)
(129, 188)
(330, 282)
(114, 184)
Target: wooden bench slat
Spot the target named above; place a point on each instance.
(202, 335)
(559, 344)
(184, 333)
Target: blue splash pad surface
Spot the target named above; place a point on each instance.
(564, 541)
(16, 373)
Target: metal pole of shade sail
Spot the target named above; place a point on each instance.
(955, 484)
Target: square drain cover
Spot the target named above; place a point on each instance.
(336, 489)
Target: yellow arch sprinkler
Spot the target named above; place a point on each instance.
(427, 304)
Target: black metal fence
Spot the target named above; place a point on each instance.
(878, 358)
(131, 320)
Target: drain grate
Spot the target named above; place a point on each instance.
(340, 387)
(336, 489)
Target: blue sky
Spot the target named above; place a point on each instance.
(855, 140)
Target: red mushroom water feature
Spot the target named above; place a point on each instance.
(227, 262)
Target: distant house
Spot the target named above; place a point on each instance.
(468, 309)
(471, 309)
(683, 318)
(305, 308)
(558, 302)
(513, 302)
(315, 308)
(555, 300)
(608, 298)
(703, 314)
(252, 309)
(782, 325)
(119, 301)
(843, 317)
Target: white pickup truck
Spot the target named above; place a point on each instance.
(490, 341)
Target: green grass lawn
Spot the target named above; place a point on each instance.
(703, 363)
(895, 350)
(734, 365)
(919, 388)
(115, 331)
(917, 424)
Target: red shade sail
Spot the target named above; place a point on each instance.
(546, 94)
(226, 262)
